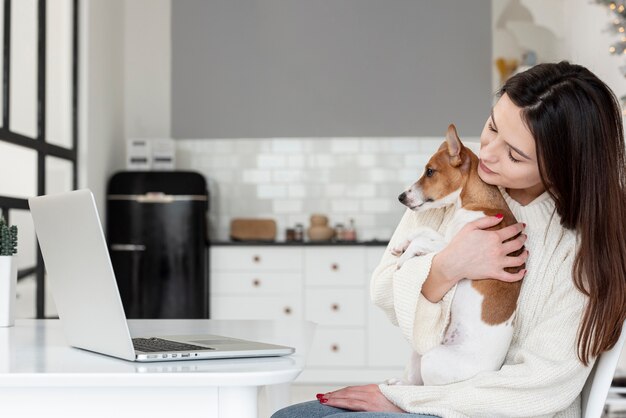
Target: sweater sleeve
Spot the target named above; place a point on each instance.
(541, 378)
(398, 291)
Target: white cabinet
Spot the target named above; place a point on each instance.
(336, 307)
(336, 266)
(256, 282)
(327, 284)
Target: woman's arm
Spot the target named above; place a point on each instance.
(543, 377)
(397, 291)
(417, 297)
(476, 253)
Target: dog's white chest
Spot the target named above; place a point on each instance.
(466, 325)
(465, 315)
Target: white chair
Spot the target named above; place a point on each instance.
(598, 383)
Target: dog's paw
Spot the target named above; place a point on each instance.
(395, 382)
(406, 256)
(398, 250)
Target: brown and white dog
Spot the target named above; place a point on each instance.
(482, 313)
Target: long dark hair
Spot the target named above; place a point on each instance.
(576, 121)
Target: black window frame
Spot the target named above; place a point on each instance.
(38, 144)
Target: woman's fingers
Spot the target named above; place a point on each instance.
(511, 277)
(484, 223)
(352, 397)
(514, 245)
(510, 231)
(353, 404)
(516, 261)
(360, 398)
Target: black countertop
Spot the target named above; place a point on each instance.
(371, 243)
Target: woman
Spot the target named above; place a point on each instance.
(554, 144)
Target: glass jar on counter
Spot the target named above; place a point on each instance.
(350, 233)
(339, 232)
(298, 233)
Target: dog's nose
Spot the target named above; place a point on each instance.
(402, 197)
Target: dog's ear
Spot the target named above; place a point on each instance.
(454, 146)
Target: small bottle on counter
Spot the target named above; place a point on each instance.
(339, 232)
(298, 235)
(290, 235)
(350, 233)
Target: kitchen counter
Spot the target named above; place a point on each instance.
(296, 244)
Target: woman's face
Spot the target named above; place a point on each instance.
(507, 153)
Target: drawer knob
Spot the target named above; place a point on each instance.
(334, 267)
(334, 348)
(256, 258)
(335, 307)
(287, 310)
(256, 283)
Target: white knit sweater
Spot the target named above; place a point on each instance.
(542, 375)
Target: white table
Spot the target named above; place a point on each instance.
(40, 375)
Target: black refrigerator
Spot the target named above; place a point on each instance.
(157, 236)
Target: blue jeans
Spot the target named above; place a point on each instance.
(315, 409)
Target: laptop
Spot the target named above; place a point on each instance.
(85, 290)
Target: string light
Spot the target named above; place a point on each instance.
(618, 11)
(617, 25)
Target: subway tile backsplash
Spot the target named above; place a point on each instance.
(288, 179)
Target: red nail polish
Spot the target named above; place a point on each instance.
(323, 400)
(499, 216)
(524, 225)
(319, 395)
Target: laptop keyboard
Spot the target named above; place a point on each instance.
(152, 345)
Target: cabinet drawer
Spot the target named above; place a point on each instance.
(248, 307)
(335, 266)
(335, 307)
(333, 347)
(251, 283)
(255, 258)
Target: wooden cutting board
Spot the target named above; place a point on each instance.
(252, 229)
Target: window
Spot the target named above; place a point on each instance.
(39, 120)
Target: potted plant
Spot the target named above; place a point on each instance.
(8, 273)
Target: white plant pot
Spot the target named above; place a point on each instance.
(8, 285)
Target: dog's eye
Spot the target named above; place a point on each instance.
(429, 172)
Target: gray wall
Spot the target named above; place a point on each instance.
(324, 68)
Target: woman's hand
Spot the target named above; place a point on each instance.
(476, 254)
(366, 398)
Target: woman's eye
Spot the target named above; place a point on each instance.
(429, 172)
(491, 128)
(513, 158)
